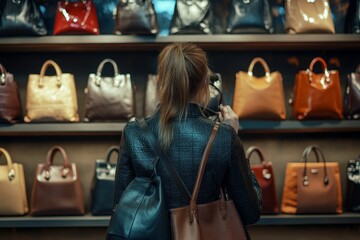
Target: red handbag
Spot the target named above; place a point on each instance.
(265, 176)
(78, 17)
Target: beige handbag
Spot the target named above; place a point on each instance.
(308, 16)
(51, 98)
(259, 98)
(13, 199)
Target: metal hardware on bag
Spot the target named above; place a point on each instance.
(314, 171)
(268, 79)
(65, 172)
(11, 174)
(306, 181)
(58, 81)
(97, 79)
(16, 1)
(2, 79)
(246, 1)
(266, 174)
(117, 80)
(326, 180)
(47, 175)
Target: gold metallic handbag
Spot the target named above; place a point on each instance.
(13, 199)
(259, 98)
(51, 98)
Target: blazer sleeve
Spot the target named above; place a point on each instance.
(242, 185)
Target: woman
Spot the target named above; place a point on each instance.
(183, 131)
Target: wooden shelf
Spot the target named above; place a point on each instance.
(221, 42)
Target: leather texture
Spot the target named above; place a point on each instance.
(106, 12)
(225, 164)
(51, 98)
(259, 97)
(352, 22)
(308, 17)
(317, 96)
(102, 189)
(312, 188)
(137, 17)
(21, 18)
(352, 95)
(352, 196)
(249, 16)
(57, 189)
(191, 17)
(109, 98)
(13, 198)
(265, 176)
(10, 107)
(76, 17)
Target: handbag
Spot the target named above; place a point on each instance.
(51, 98)
(339, 10)
(265, 176)
(352, 196)
(298, 13)
(252, 16)
(136, 17)
(151, 99)
(352, 95)
(191, 17)
(57, 189)
(109, 98)
(10, 107)
(13, 198)
(102, 189)
(76, 17)
(352, 20)
(312, 187)
(21, 17)
(215, 220)
(259, 97)
(317, 96)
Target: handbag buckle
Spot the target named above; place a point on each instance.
(2, 79)
(47, 175)
(11, 174)
(266, 174)
(65, 172)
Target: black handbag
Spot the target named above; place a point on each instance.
(21, 17)
(352, 21)
(251, 16)
(338, 10)
(102, 189)
(191, 17)
(352, 196)
(352, 95)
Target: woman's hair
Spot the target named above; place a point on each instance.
(183, 77)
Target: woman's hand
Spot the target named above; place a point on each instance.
(228, 116)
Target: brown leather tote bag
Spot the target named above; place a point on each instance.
(317, 96)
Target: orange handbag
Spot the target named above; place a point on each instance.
(317, 96)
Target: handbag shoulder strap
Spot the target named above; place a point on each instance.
(169, 167)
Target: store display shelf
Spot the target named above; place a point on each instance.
(103, 221)
(221, 42)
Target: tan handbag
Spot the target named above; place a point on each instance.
(109, 98)
(151, 99)
(57, 189)
(215, 220)
(259, 98)
(51, 98)
(312, 187)
(13, 198)
(303, 16)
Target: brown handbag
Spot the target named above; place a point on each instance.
(308, 17)
(352, 95)
(312, 187)
(51, 98)
(10, 107)
(109, 98)
(57, 190)
(317, 96)
(265, 176)
(215, 220)
(259, 98)
(13, 198)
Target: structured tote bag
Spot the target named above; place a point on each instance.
(265, 176)
(312, 187)
(76, 17)
(352, 195)
(136, 17)
(109, 98)
(299, 12)
(102, 189)
(13, 198)
(259, 97)
(215, 220)
(57, 189)
(10, 107)
(317, 96)
(352, 95)
(51, 98)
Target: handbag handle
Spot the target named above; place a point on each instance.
(124, 3)
(2, 74)
(11, 171)
(116, 79)
(110, 151)
(325, 69)
(263, 64)
(43, 71)
(265, 172)
(305, 156)
(50, 159)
